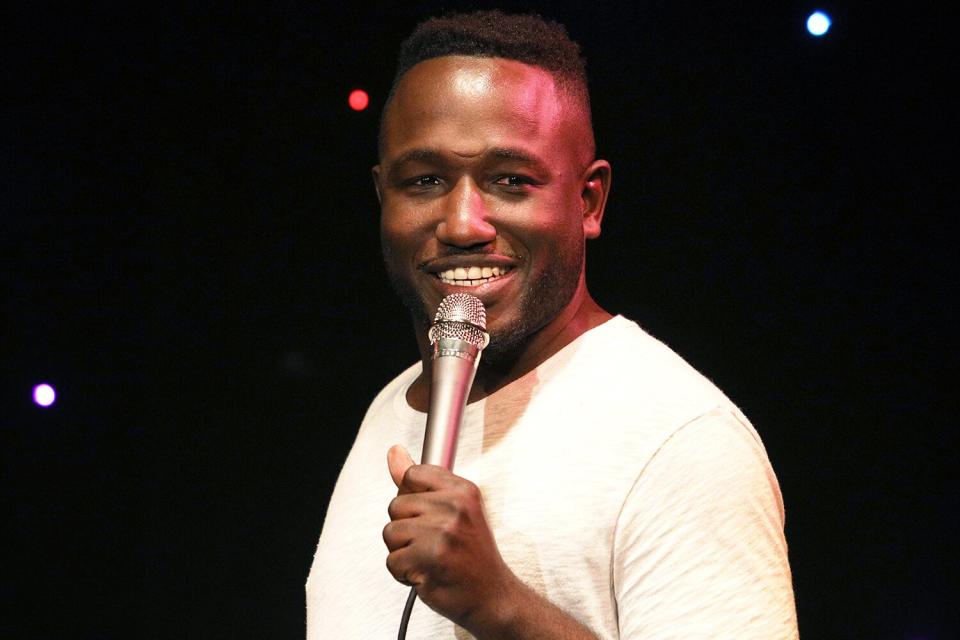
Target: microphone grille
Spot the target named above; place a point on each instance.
(462, 307)
(463, 317)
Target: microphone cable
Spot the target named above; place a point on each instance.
(407, 609)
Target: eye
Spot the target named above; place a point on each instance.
(425, 181)
(513, 181)
(417, 184)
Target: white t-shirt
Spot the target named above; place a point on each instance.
(619, 483)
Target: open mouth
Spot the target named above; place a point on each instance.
(472, 276)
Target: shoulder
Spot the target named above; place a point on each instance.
(620, 369)
(717, 453)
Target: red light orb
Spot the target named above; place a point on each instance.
(358, 100)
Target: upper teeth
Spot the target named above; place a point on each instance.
(471, 275)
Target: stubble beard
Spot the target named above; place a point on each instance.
(542, 300)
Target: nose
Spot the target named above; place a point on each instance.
(465, 221)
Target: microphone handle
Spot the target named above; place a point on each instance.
(454, 365)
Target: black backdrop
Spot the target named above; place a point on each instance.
(190, 255)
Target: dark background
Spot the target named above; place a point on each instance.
(190, 255)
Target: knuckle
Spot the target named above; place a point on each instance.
(411, 475)
(466, 490)
(471, 492)
(465, 497)
(392, 566)
(400, 572)
(448, 537)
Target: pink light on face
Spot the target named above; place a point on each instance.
(44, 395)
(358, 100)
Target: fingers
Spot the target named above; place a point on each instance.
(430, 499)
(432, 504)
(397, 534)
(414, 478)
(438, 539)
(405, 506)
(400, 566)
(398, 461)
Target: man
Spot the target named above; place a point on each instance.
(603, 488)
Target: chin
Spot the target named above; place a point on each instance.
(509, 337)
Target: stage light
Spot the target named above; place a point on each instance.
(44, 395)
(358, 100)
(818, 23)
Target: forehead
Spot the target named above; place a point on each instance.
(467, 105)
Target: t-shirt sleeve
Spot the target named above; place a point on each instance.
(699, 550)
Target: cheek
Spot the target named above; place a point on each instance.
(406, 237)
(556, 225)
(395, 228)
(392, 242)
(405, 217)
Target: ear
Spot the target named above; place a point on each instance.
(375, 171)
(596, 187)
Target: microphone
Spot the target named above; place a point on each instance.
(458, 335)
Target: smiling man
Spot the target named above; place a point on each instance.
(604, 489)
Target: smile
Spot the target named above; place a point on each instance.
(472, 276)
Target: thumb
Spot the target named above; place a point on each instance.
(398, 460)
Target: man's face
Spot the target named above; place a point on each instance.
(481, 182)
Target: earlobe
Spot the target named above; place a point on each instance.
(596, 187)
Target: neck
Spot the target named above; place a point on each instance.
(575, 320)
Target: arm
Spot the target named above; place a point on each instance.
(439, 541)
(699, 548)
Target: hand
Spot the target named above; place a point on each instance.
(439, 542)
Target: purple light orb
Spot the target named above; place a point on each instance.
(44, 395)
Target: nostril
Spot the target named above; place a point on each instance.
(466, 230)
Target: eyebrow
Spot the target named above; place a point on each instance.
(417, 155)
(515, 155)
(430, 155)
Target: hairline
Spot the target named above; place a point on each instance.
(572, 88)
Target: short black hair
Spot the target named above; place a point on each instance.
(529, 39)
(493, 34)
